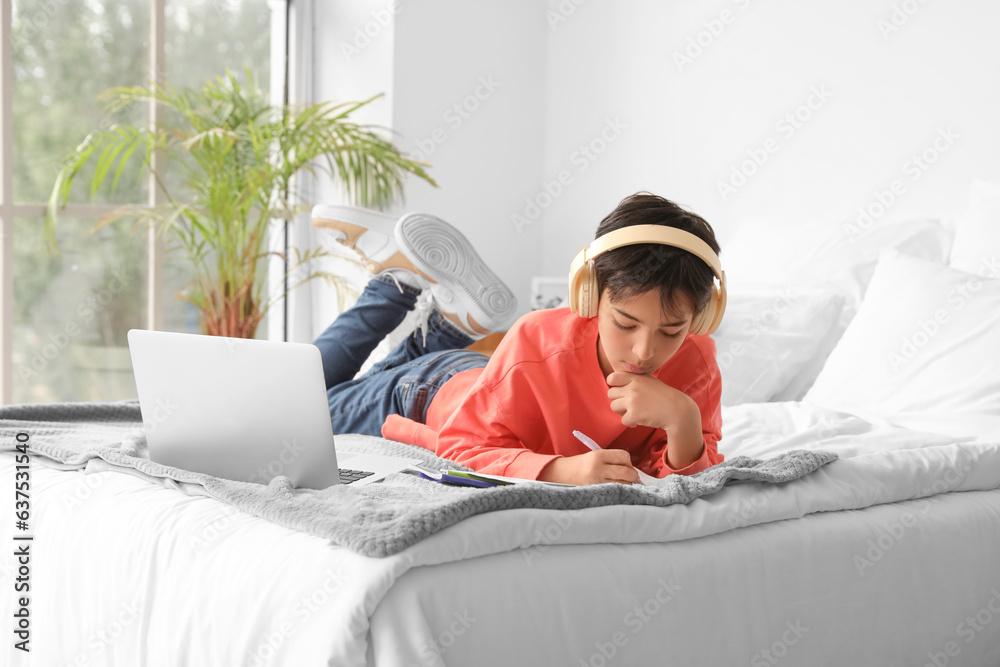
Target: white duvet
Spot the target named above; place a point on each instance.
(122, 568)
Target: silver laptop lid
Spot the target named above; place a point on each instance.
(236, 408)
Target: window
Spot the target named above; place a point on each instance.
(65, 316)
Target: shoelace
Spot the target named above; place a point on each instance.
(422, 308)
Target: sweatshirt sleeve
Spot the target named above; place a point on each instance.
(706, 391)
(401, 429)
(659, 467)
(477, 435)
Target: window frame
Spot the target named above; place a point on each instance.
(10, 209)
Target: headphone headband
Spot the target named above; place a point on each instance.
(583, 295)
(654, 234)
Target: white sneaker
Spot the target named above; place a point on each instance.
(425, 251)
(369, 233)
(465, 290)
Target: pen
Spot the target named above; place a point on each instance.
(593, 446)
(643, 477)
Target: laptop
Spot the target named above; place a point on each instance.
(243, 409)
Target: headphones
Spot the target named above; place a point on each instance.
(583, 296)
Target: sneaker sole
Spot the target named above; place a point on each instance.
(446, 256)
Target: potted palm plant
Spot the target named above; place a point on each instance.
(229, 158)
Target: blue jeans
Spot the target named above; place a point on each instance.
(407, 379)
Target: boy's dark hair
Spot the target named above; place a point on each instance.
(635, 269)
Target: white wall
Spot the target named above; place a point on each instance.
(464, 91)
(690, 123)
(605, 75)
(342, 71)
(470, 92)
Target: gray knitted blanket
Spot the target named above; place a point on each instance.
(375, 520)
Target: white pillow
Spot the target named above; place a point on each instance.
(977, 232)
(921, 352)
(841, 256)
(767, 335)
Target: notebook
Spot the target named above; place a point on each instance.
(477, 479)
(243, 409)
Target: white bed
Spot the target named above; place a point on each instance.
(886, 556)
(880, 556)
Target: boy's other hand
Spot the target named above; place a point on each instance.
(598, 467)
(641, 400)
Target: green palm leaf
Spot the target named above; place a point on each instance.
(236, 157)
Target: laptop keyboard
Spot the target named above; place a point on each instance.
(348, 476)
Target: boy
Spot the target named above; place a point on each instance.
(631, 377)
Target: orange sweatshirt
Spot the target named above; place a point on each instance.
(543, 381)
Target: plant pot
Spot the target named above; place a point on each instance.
(102, 373)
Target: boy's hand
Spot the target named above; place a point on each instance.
(641, 400)
(605, 465)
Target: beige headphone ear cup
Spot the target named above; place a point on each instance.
(703, 321)
(585, 298)
(720, 307)
(595, 298)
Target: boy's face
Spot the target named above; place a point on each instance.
(635, 336)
